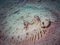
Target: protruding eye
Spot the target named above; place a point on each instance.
(45, 23)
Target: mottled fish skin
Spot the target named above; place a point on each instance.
(14, 12)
